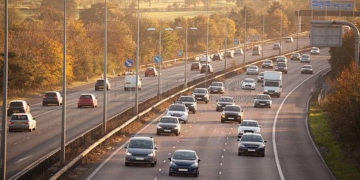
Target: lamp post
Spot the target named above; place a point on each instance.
(186, 51)
(226, 34)
(137, 60)
(280, 30)
(160, 60)
(207, 43)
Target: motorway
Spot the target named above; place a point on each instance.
(24, 148)
(290, 153)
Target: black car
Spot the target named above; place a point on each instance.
(295, 56)
(217, 57)
(169, 125)
(99, 85)
(281, 66)
(251, 143)
(262, 100)
(201, 94)
(217, 87)
(232, 113)
(189, 102)
(52, 97)
(184, 162)
(141, 150)
(224, 101)
(18, 106)
(307, 69)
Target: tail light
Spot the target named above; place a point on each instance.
(11, 122)
(27, 122)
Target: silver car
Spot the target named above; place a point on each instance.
(22, 121)
(305, 58)
(252, 70)
(262, 100)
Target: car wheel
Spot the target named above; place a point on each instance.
(194, 111)
(43, 104)
(263, 154)
(197, 174)
(10, 130)
(184, 122)
(222, 121)
(255, 106)
(170, 174)
(93, 106)
(30, 130)
(79, 106)
(157, 133)
(152, 165)
(177, 134)
(126, 164)
(239, 154)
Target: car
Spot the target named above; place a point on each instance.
(141, 150)
(151, 71)
(248, 126)
(262, 100)
(195, 66)
(248, 83)
(217, 57)
(230, 54)
(189, 102)
(232, 113)
(239, 51)
(281, 66)
(315, 50)
(168, 125)
(207, 68)
(281, 59)
(216, 87)
(267, 64)
(307, 69)
(184, 161)
(260, 77)
(276, 46)
(178, 110)
(22, 121)
(288, 39)
(99, 85)
(224, 101)
(52, 97)
(251, 143)
(18, 106)
(86, 100)
(252, 69)
(295, 56)
(203, 59)
(305, 58)
(201, 94)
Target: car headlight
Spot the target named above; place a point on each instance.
(257, 131)
(222, 115)
(151, 154)
(159, 127)
(242, 145)
(261, 146)
(128, 154)
(176, 127)
(192, 105)
(240, 131)
(218, 104)
(194, 165)
(265, 90)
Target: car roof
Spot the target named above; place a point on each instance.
(142, 138)
(249, 120)
(226, 97)
(184, 150)
(17, 101)
(21, 113)
(262, 95)
(252, 134)
(87, 94)
(250, 79)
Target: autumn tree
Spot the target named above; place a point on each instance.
(72, 10)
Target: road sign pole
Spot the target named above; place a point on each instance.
(160, 61)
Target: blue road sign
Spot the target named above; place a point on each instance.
(128, 63)
(236, 41)
(157, 59)
(179, 53)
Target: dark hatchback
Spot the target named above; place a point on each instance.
(141, 150)
(224, 101)
(251, 143)
(201, 94)
(168, 125)
(232, 113)
(195, 66)
(189, 102)
(184, 162)
(52, 97)
(99, 85)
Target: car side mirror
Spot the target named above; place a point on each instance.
(238, 139)
(199, 160)
(155, 148)
(217, 100)
(34, 118)
(262, 85)
(28, 104)
(281, 86)
(265, 141)
(169, 159)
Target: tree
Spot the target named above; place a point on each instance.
(72, 10)
(276, 5)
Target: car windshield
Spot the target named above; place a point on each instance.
(19, 117)
(307, 66)
(184, 155)
(295, 55)
(262, 97)
(252, 67)
(251, 138)
(249, 80)
(226, 100)
(168, 120)
(186, 99)
(199, 91)
(50, 94)
(15, 104)
(85, 97)
(261, 74)
(100, 81)
(216, 84)
(249, 123)
(232, 108)
(267, 62)
(281, 64)
(177, 108)
(272, 83)
(150, 69)
(305, 56)
(141, 144)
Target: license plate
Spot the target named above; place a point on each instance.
(271, 93)
(262, 104)
(183, 170)
(230, 118)
(18, 123)
(199, 98)
(101, 86)
(139, 158)
(15, 110)
(251, 150)
(167, 130)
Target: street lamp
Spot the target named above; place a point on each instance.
(186, 51)
(160, 60)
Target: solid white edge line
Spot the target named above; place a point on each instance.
(275, 121)
(118, 149)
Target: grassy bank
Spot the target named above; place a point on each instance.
(330, 148)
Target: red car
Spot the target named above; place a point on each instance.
(87, 100)
(151, 71)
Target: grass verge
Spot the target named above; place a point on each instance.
(328, 145)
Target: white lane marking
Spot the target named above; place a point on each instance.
(275, 121)
(22, 159)
(119, 148)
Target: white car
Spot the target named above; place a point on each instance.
(307, 69)
(203, 59)
(248, 126)
(252, 70)
(305, 58)
(22, 121)
(239, 51)
(178, 110)
(315, 50)
(248, 83)
(260, 77)
(281, 59)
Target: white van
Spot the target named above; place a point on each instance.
(130, 82)
(289, 39)
(256, 50)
